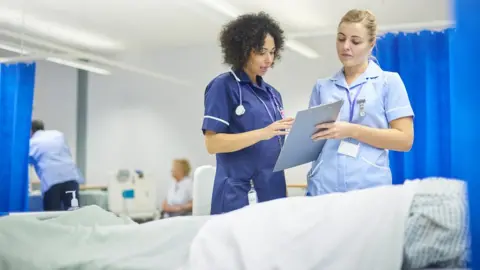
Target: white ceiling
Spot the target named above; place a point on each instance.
(113, 27)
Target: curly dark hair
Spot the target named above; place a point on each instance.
(246, 33)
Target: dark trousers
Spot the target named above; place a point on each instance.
(56, 198)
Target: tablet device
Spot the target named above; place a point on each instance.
(299, 148)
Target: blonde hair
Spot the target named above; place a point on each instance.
(185, 164)
(364, 17)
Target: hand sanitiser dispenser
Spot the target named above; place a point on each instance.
(74, 202)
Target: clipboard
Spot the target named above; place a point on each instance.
(299, 148)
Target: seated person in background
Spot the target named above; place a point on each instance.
(58, 174)
(179, 197)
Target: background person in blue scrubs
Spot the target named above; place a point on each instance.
(376, 115)
(54, 165)
(243, 121)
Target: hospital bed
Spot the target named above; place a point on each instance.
(203, 185)
(162, 244)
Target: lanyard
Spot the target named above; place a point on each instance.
(352, 102)
(275, 104)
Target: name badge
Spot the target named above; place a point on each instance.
(252, 194)
(348, 149)
(252, 197)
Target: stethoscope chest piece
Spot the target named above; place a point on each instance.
(240, 110)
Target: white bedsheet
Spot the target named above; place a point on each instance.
(361, 230)
(91, 238)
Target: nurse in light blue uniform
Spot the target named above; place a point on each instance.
(53, 162)
(376, 115)
(243, 121)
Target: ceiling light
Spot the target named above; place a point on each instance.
(13, 49)
(55, 30)
(74, 64)
(79, 65)
(21, 59)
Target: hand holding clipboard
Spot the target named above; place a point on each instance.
(299, 148)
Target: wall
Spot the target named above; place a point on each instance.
(139, 122)
(55, 99)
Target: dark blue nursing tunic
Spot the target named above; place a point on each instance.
(263, 106)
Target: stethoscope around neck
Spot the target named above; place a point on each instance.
(240, 109)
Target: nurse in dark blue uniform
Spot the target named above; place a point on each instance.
(243, 121)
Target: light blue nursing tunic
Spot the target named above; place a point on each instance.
(384, 99)
(50, 156)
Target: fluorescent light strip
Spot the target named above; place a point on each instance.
(21, 59)
(13, 49)
(74, 64)
(55, 30)
(79, 65)
(231, 11)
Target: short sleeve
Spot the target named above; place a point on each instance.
(397, 103)
(315, 96)
(217, 105)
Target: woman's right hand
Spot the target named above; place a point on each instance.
(277, 128)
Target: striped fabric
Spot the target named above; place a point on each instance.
(436, 231)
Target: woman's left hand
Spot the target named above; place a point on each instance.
(336, 130)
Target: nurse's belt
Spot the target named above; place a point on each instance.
(299, 148)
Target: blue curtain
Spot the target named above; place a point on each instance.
(465, 106)
(440, 74)
(423, 61)
(16, 102)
